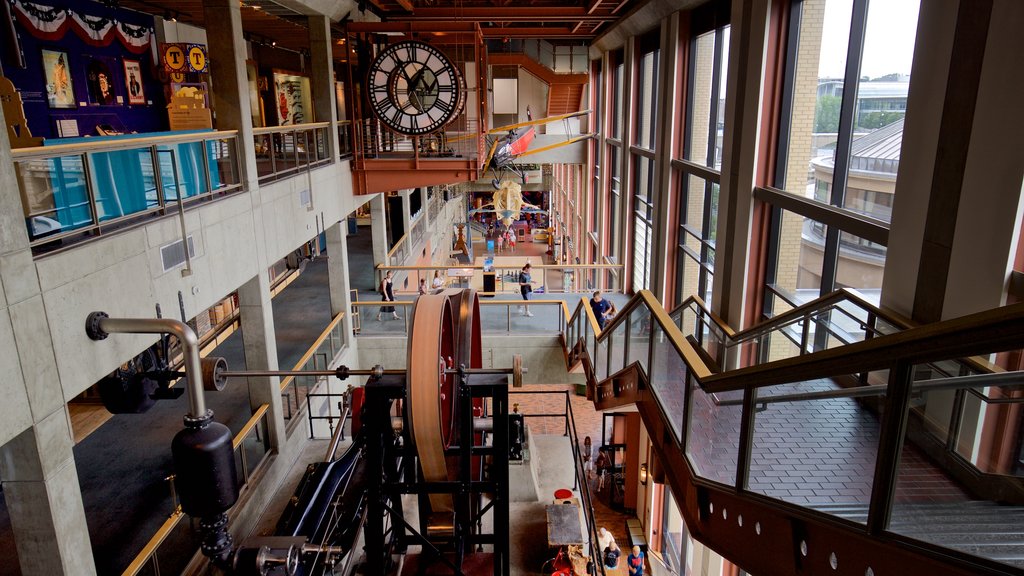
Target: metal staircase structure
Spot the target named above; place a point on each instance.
(808, 444)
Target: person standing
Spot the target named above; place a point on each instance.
(387, 290)
(600, 306)
(423, 287)
(437, 282)
(635, 562)
(588, 457)
(525, 288)
(611, 555)
(501, 242)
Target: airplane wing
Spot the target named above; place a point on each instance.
(548, 120)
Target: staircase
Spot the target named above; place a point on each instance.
(974, 527)
(565, 91)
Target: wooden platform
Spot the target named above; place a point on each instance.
(479, 564)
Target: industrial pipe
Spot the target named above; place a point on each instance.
(99, 325)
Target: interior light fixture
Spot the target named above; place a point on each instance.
(273, 42)
(643, 473)
(170, 16)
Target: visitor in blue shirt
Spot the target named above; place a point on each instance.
(635, 562)
(601, 308)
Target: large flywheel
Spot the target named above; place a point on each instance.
(444, 334)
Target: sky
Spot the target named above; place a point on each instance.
(888, 42)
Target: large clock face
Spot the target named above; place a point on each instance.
(414, 88)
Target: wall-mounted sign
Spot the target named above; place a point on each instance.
(197, 58)
(174, 57)
(181, 58)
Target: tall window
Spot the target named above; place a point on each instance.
(669, 538)
(844, 99)
(643, 158)
(613, 152)
(699, 172)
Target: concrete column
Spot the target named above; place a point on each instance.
(379, 230)
(406, 209)
(44, 499)
(321, 82)
(337, 274)
(257, 318)
(227, 73)
(37, 465)
(745, 83)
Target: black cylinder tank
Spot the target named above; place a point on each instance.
(204, 464)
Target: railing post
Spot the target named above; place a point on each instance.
(890, 444)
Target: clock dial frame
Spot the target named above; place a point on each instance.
(414, 89)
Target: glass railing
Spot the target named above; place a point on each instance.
(283, 151)
(841, 318)
(319, 356)
(496, 317)
(251, 446)
(71, 192)
(824, 432)
(548, 278)
(344, 139)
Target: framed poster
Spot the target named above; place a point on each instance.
(291, 99)
(60, 92)
(133, 82)
(100, 82)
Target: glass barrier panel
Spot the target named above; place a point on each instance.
(124, 182)
(55, 195)
(815, 452)
(266, 144)
(183, 163)
(176, 551)
(599, 355)
(990, 427)
(320, 136)
(223, 163)
(535, 318)
(285, 152)
(667, 375)
(617, 348)
(713, 434)
(783, 342)
(929, 503)
(639, 337)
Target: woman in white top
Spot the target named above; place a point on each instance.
(437, 282)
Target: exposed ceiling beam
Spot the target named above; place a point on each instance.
(553, 32)
(506, 14)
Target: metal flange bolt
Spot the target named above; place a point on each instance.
(92, 326)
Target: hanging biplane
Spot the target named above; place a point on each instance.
(505, 144)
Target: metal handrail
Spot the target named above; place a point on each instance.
(313, 348)
(100, 146)
(290, 128)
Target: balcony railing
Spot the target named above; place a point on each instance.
(72, 192)
(461, 139)
(294, 389)
(283, 151)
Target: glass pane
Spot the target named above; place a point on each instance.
(700, 113)
(618, 81)
(881, 106)
(639, 337)
(647, 108)
(713, 434)
(930, 505)
(124, 181)
(191, 171)
(265, 145)
(800, 257)
(861, 265)
(617, 347)
(817, 90)
(223, 163)
(722, 81)
(818, 453)
(667, 377)
(55, 195)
